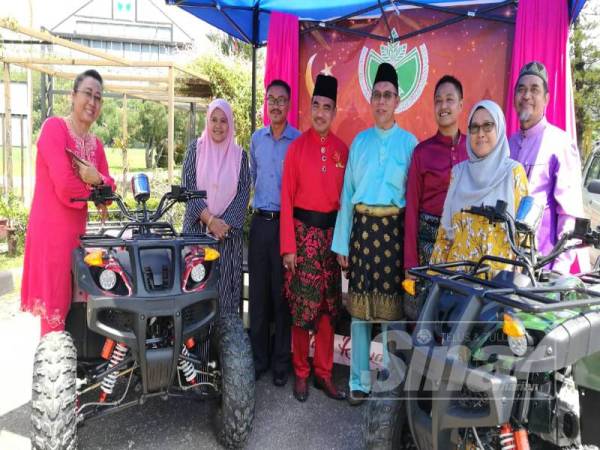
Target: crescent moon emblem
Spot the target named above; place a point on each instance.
(310, 84)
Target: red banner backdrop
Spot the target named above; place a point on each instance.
(475, 51)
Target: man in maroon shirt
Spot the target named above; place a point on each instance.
(429, 174)
(313, 174)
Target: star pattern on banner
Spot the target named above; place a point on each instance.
(327, 70)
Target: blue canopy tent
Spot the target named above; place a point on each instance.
(248, 20)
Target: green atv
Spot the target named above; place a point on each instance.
(510, 361)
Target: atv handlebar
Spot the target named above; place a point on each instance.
(103, 194)
(498, 214)
(582, 232)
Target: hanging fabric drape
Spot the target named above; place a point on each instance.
(282, 59)
(541, 34)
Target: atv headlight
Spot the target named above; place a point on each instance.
(517, 339)
(108, 279)
(198, 273)
(518, 345)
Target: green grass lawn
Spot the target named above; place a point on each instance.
(16, 160)
(136, 157)
(7, 262)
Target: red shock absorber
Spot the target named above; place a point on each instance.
(521, 439)
(186, 366)
(108, 383)
(107, 349)
(507, 437)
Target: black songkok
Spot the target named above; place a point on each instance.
(326, 86)
(386, 72)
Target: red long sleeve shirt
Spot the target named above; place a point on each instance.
(427, 185)
(313, 175)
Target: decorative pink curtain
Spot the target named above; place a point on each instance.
(541, 34)
(282, 58)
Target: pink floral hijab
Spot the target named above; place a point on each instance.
(218, 164)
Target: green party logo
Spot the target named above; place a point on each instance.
(411, 66)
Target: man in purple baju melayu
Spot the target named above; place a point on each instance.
(552, 163)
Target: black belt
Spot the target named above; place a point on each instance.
(270, 215)
(316, 218)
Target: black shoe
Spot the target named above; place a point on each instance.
(357, 397)
(301, 389)
(258, 373)
(280, 378)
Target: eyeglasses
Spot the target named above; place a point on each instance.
(279, 101)
(387, 96)
(487, 127)
(90, 96)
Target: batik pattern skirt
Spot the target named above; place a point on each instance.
(316, 287)
(428, 228)
(376, 270)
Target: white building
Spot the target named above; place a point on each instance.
(134, 29)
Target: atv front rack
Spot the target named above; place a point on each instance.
(528, 299)
(103, 240)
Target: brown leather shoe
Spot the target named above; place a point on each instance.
(301, 389)
(357, 397)
(327, 386)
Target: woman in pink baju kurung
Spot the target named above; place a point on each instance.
(55, 222)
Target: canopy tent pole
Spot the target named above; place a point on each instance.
(254, 48)
(384, 17)
(192, 124)
(171, 125)
(124, 143)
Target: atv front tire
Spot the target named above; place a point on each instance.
(54, 393)
(236, 410)
(385, 420)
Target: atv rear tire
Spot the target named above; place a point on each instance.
(385, 420)
(54, 393)
(236, 410)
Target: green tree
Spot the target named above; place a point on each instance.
(231, 80)
(151, 131)
(230, 46)
(585, 63)
(108, 125)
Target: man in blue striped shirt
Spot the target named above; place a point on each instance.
(268, 148)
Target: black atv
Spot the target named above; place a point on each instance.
(144, 322)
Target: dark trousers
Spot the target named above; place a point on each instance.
(266, 300)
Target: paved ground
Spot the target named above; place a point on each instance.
(281, 422)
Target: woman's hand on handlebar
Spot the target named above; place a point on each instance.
(88, 173)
